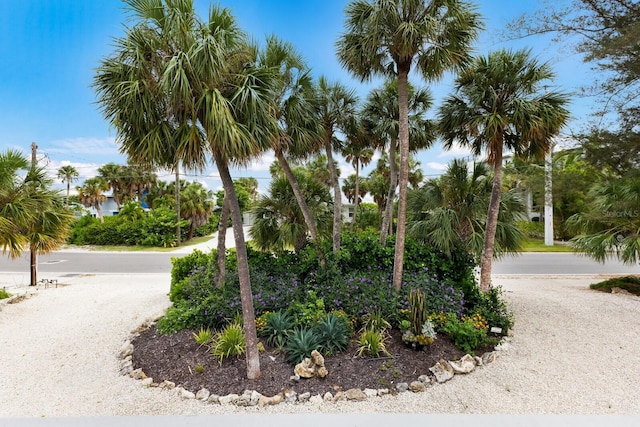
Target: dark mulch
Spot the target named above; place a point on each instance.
(176, 358)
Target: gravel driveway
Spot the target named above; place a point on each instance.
(573, 351)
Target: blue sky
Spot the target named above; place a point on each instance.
(50, 49)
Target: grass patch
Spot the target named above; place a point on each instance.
(537, 245)
(4, 294)
(628, 283)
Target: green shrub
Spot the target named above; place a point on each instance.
(278, 326)
(309, 311)
(417, 310)
(628, 283)
(333, 334)
(493, 308)
(464, 333)
(300, 344)
(4, 294)
(229, 342)
(372, 342)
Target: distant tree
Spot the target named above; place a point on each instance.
(358, 153)
(68, 174)
(91, 194)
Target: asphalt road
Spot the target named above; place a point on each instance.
(160, 262)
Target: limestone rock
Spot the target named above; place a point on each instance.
(186, 394)
(355, 394)
(247, 399)
(214, 399)
(316, 399)
(305, 369)
(147, 381)
(168, 385)
(489, 357)
(339, 396)
(417, 386)
(463, 366)
(255, 397)
(383, 391)
(274, 400)
(290, 396)
(126, 350)
(478, 360)
(425, 379)
(402, 387)
(228, 399)
(137, 374)
(328, 397)
(203, 394)
(370, 392)
(304, 397)
(311, 367)
(620, 291)
(442, 371)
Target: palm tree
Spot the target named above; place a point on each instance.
(279, 222)
(336, 106)
(30, 211)
(357, 153)
(68, 174)
(498, 105)
(297, 133)
(91, 194)
(452, 210)
(382, 116)
(177, 90)
(197, 206)
(114, 176)
(388, 38)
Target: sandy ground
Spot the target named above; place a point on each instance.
(573, 351)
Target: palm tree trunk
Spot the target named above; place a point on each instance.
(492, 222)
(34, 265)
(221, 253)
(177, 169)
(68, 190)
(246, 297)
(99, 211)
(355, 208)
(393, 182)
(337, 194)
(403, 105)
(306, 213)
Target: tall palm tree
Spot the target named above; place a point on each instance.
(336, 106)
(91, 194)
(357, 152)
(31, 213)
(298, 133)
(499, 104)
(68, 174)
(177, 90)
(452, 210)
(388, 38)
(382, 115)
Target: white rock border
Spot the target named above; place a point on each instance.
(440, 373)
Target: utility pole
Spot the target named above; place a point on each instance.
(33, 250)
(548, 196)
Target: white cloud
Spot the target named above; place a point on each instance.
(92, 146)
(262, 163)
(456, 151)
(437, 166)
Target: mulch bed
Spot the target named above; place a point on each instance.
(178, 358)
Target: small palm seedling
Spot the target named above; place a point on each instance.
(333, 333)
(230, 341)
(203, 336)
(278, 326)
(372, 343)
(300, 344)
